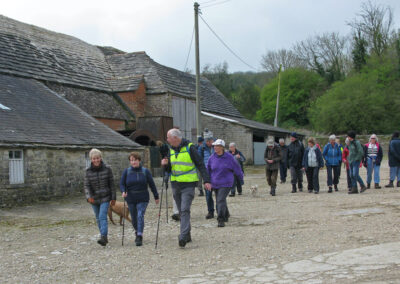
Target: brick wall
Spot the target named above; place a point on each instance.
(231, 132)
(136, 100)
(114, 124)
(51, 173)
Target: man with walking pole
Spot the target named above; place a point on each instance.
(183, 163)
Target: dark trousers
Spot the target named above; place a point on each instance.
(312, 174)
(297, 176)
(221, 195)
(237, 185)
(210, 201)
(272, 176)
(335, 171)
(183, 198)
(283, 171)
(348, 178)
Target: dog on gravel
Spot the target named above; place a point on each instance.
(254, 189)
(118, 208)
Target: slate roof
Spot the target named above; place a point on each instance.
(34, 52)
(162, 79)
(37, 115)
(95, 103)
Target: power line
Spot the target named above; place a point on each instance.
(215, 4)
(227, 47)
(190, 48)
(207, 2)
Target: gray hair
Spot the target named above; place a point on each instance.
(347, 141)
(373, 136)
(281, 140)
(174, 132)
(332, 137)
(95, 153)
(232, 144)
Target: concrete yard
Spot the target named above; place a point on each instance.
(290, 238)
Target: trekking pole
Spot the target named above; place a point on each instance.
(123, 225)
(159, 212)
(166, 196)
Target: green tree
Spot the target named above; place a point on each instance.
(298, 88)
(247, 100)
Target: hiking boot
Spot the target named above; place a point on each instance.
(336, 188)
(102, 241)
(176, 217)
(354, 190)
(316, 192)
(139, 241)
(221, 223)
(390, 185)
(377, 186)
(239, 193)
(210, 215)
(272, 192)
(182, 243)
(300, 187)
(188, 238)
(368, 185)
(310, 191)
(294, 189)
(227, 215)
(363, 188)
(232, 195)
(201, 193)
(330, 189)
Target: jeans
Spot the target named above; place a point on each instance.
(312, 174)
(372, 167)
(183, 198)
(297, 176)
(210, 201)
(283, 171)
(100, 211)
(221, 194)
(137, 211)
(335, 170)
(236, 184)
(355, 176)
(349, 179)
(394, 172)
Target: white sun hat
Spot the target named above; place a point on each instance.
(219, 142)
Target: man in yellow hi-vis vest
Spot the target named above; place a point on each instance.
(183, 163)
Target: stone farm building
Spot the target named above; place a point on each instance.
(59, 93)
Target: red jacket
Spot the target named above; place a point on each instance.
(345, 154)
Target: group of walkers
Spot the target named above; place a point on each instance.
(311, 159)
(222, 173)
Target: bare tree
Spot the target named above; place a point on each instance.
(327, 54)
(273, 59)
(375, 24)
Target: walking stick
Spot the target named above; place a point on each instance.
(166, 195)
(159, 213)
(123, 225)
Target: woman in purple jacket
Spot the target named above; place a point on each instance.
(222, 168)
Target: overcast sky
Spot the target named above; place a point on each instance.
(163, 28)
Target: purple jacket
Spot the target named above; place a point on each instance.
(222, 170)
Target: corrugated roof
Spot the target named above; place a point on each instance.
(38, 115)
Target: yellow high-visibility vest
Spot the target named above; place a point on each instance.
(183, 168)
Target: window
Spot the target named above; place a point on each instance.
(87, 160)
(16, 166)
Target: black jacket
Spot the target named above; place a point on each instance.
(295, 154)
(394, 152)
(274, 154)
(99, 184)
(284, 151)
(197, 160)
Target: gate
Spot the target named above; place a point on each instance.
(258, 150)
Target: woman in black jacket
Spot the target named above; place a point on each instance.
(100, 191)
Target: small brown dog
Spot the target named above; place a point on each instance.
(118, 208)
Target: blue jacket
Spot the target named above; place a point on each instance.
(205, 152)
(332, 155)
(320, 160)
(394, 152)
(134, 181)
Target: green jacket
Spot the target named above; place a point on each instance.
(356, 151)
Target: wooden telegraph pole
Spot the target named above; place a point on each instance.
(198, 100)
(277, 97)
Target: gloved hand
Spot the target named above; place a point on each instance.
(90, 200)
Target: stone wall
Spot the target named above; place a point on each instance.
(52, 173)
(231, 132)
(158, 105)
